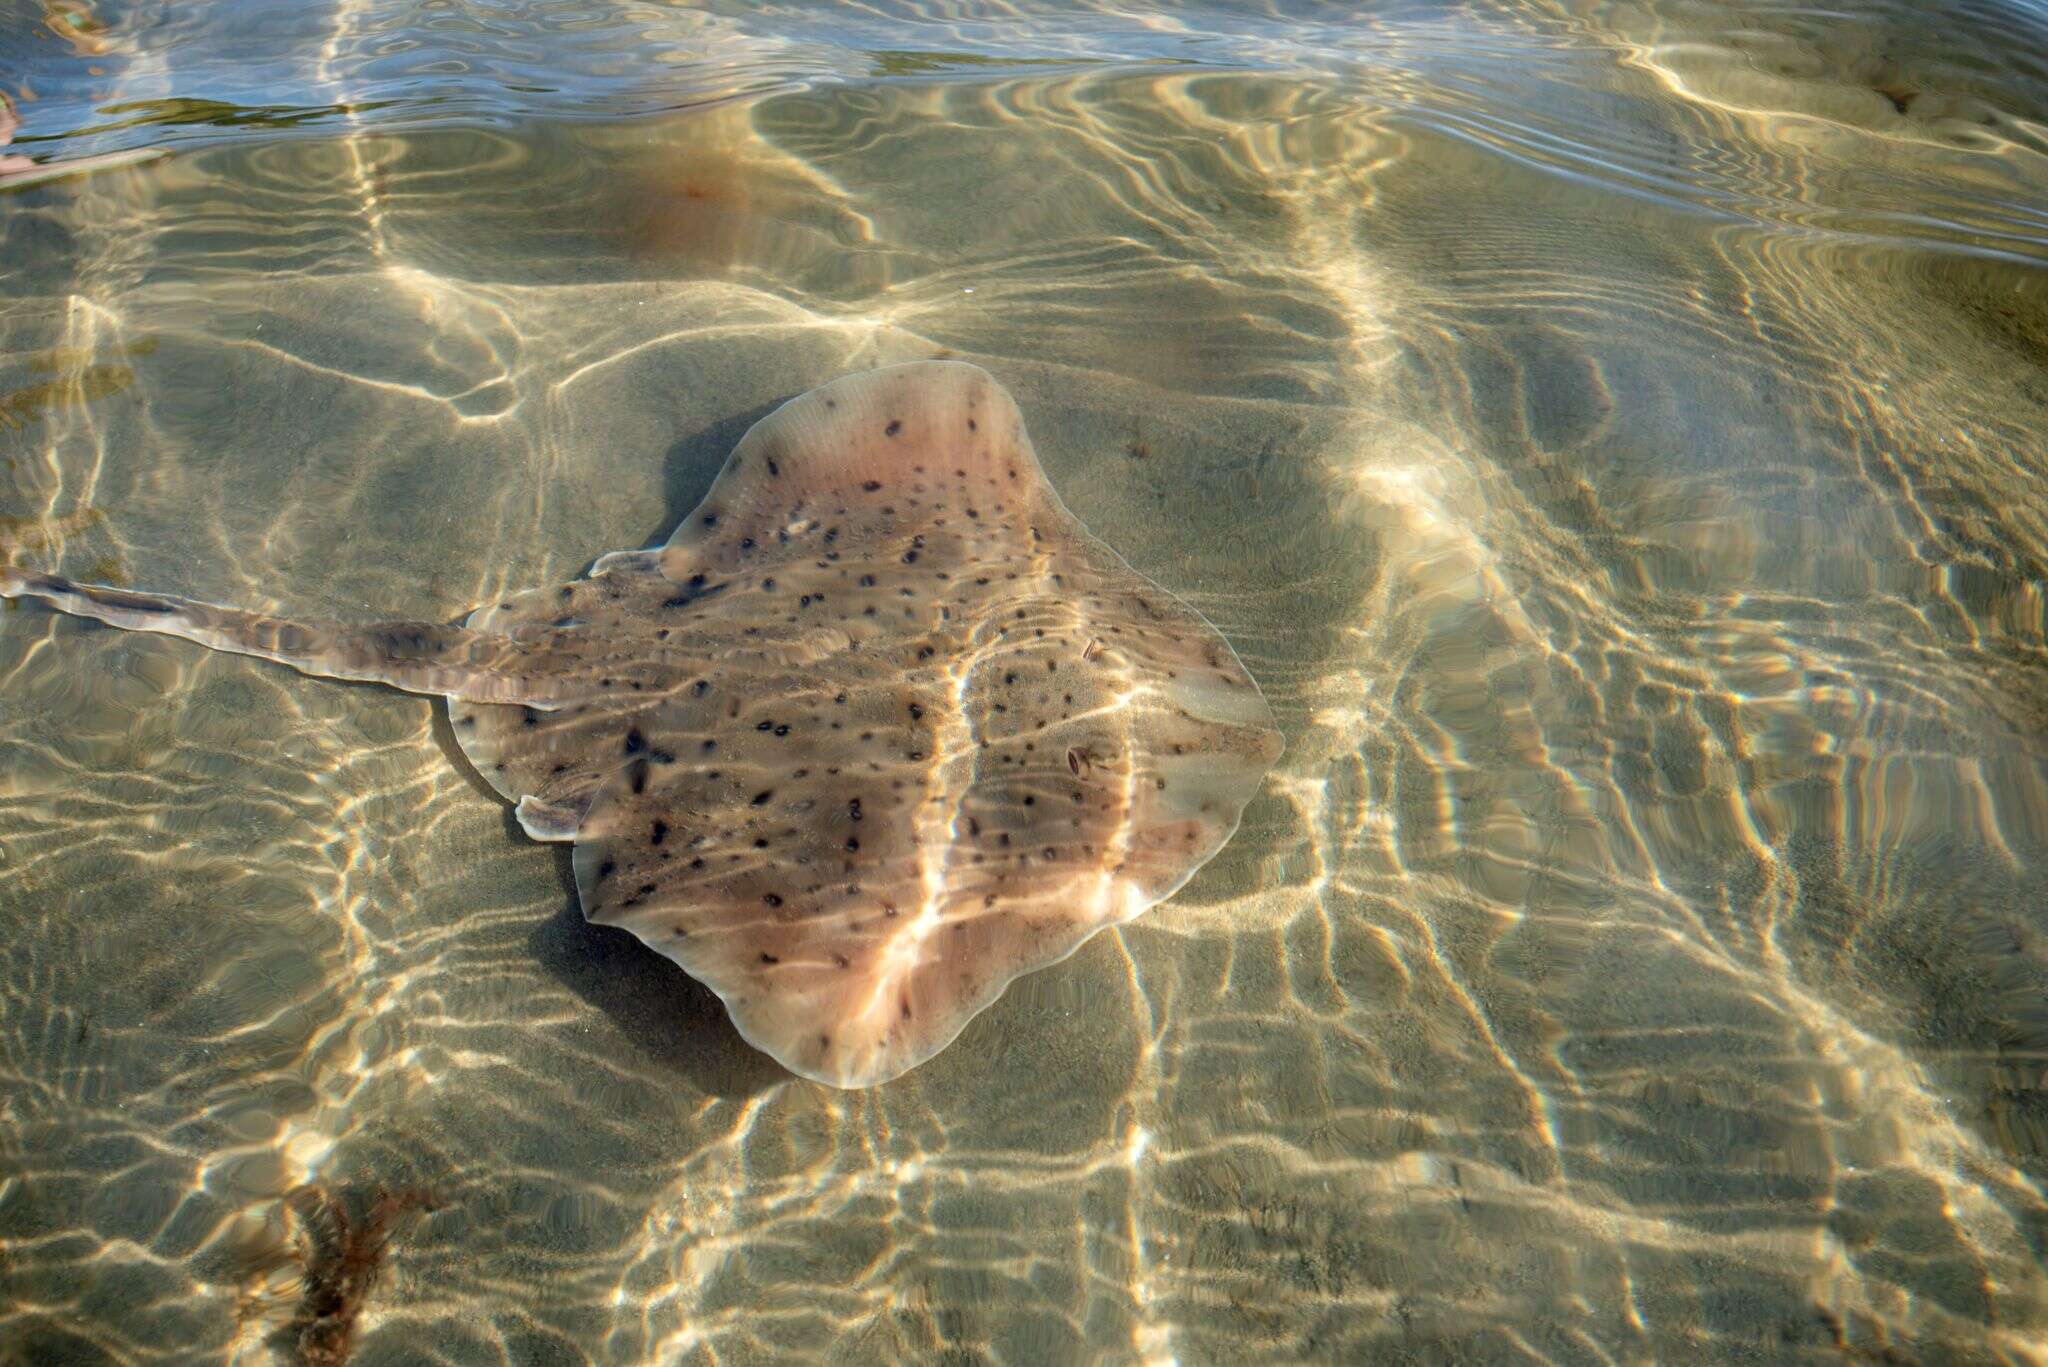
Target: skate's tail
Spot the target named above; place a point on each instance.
(420, 657)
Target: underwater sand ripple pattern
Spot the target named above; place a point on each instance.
(1636, 954)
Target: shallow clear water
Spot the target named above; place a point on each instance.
(1613, 434)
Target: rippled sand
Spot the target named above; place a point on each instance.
(1614, 438)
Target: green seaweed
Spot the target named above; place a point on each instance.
(31, 402)
(41, 532)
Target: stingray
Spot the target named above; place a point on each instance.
(880, 728)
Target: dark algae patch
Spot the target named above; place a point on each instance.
(342, 1256)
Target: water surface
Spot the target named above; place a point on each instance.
(1613, 433)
